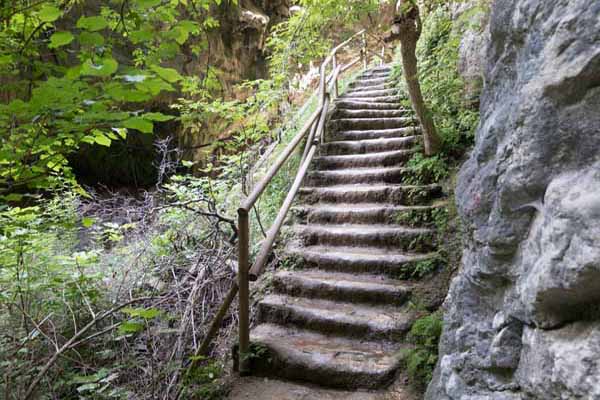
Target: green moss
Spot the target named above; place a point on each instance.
(421, 360)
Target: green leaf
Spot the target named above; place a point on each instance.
(141, 35)
(87, 387)
(106, 67)
(187, 164)
(146, 313)
(13, 197)
(145, 4)
(59, 39)
(168, 74)
(92, 24)
(131, 327)
(158, 117)
(91, 39)
(121, 132)
(102, 140)
(139, 124)
(126, 94)
(87, 222)
(154, 86)
(49, 13)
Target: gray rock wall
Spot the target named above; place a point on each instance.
(523, 315)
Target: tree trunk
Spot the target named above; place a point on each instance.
(407, 28)
(431, 139)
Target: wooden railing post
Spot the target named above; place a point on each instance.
(244, 290)
(336, 91)
(382, 55)
(364, 50)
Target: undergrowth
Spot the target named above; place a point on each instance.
(421, 359)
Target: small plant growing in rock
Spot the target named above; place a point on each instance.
(420, 361)
(426, 170)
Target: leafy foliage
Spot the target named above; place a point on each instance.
(66, 86)
(426, 170)
(420, 361)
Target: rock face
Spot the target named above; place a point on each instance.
(522, 318)
(472, 19)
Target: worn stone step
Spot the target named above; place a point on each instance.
(379, 68)
(359, 235)
(351, 288)
(371, 193)
(371, 86)
(381, 159)
(369, 80)
(370, 113)
(360, 104)
(359, 260)
(367, 134)
(344, 147)
(357, 176)
(345, 124)
(365, 213)
(361, 92)
(378, 99)
(375, 74)
(330, 361)
(335, 317)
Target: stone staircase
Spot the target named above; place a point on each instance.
(339, 317)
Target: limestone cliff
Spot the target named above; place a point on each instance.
(522, 317)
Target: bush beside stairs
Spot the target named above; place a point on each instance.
(339, 318)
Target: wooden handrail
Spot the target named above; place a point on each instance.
(315, 128)
(262, 257)
(264, 182)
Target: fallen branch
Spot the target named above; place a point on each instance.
(73, 340)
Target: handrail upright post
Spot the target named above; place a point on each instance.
(322, 84)
(244, 290)
(382, 55)
(364, 51)
(336, 91)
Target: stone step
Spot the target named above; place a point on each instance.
(379, 68)
(381, 159)
(345, 124)
(371, 193)
(334, 317)
(371, 93)
(367, 81)
(371, 86)
(378, 99)
(375, 74)
(351, 288)
(367, 134)
(346, 147)
(354, 105)
(356, 176)
(358, 260)
(370, 113)
(358, 235)
(365, 213)
(330, 361)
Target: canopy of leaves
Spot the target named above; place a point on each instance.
(65, 81)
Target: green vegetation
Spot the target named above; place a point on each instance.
(455, 116)
(66, 86)
(420, 360)
(106, 296)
